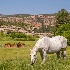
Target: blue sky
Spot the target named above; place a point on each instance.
(9, 7)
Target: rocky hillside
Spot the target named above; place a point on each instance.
(27, 22)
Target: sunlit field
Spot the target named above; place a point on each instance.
(19, 58)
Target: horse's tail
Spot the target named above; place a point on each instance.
(64, 42)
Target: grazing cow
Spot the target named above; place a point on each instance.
(20, 44)
(47, 45)
(12, 45)
(9, 45)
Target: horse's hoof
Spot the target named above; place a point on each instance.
(31, 63)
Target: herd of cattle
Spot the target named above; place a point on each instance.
(19, 44)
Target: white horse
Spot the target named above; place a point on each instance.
(47, 45)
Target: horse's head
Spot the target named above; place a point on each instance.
(33, 56)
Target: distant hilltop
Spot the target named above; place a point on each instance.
(27, 21)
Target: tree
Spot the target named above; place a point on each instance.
(62, 17)
(64, 30)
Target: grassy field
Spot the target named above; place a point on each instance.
(19, 58)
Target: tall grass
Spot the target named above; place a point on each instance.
(19, 59)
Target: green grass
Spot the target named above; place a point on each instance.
(19, 59)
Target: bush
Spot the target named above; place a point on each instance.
(25, 39)
(64, 30)
(17, 36)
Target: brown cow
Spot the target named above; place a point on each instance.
(20, 44)
(12, 45)
(9, 45)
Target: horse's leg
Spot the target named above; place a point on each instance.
(58, 54)
(44, 56)
(41, 54)
(64, 52)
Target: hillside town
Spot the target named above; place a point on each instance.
(31, 20)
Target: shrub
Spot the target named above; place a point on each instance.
(64, 30)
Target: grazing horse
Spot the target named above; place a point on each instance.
(47, 45)
(20, 44)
